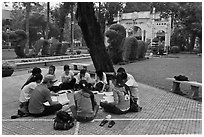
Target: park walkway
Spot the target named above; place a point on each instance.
(163, 113)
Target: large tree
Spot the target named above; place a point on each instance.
(90, 27)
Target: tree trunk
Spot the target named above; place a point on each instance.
(72, 30)
(27, 27)
(92, 35)
(192, 42)
(48, 17)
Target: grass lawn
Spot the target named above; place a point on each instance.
(153, 71)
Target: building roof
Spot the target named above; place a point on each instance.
(139, 15)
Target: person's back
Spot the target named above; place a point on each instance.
(84, 104)
(32, 77)
(26, 91)
(39, 96)
(85, 108)
(121, 98)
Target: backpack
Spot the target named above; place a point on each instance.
(134, 107)
(63, 121)
(181, 78)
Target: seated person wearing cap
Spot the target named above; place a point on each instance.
(40, 95)
(83, 75)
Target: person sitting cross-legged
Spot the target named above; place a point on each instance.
(25, 94)
(100, 81)
(83, 75)
(34, 72)
(51, 71)
(68, 80)
(121, 98)
(40, 95)
(85, 108)
(131, 83)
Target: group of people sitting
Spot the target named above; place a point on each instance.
(38, 89)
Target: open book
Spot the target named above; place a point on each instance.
(62, 99)
(108, 97)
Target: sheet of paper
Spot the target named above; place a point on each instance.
(62, 99)
(57, 83)
(109, 99)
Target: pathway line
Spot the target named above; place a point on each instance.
(76, 128)
(128, 119)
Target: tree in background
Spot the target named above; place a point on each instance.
(186, 19)
(137, 7)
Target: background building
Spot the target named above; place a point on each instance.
(147, 26)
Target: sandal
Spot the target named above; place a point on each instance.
(111, 124)
(15, 116)
(103, 122)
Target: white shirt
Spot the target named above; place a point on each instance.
(104, 80)
(68, 77)
(131, 82)
(26, 92)
(87, 77)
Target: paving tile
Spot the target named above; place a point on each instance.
(163, 113)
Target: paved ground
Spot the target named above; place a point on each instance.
(163, 113)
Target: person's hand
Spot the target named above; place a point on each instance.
(54, 94)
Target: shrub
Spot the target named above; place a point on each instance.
(175, 49)
(7, 69)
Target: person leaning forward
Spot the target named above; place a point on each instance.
(40, 95)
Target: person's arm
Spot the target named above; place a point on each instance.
(88, 77)
(105, 78)
(53, 93)
(51, 102)
(63, 78)
(72, 75)
(115, 96)
(77, 78)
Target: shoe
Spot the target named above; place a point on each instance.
(111, 124)
(103, 122)
(15, 116)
